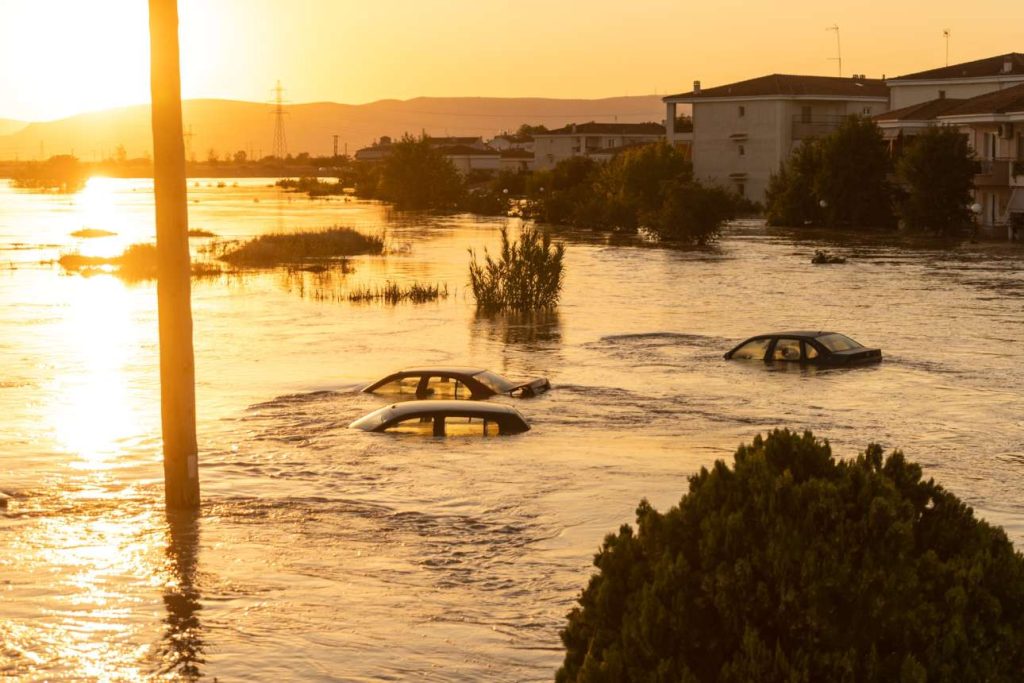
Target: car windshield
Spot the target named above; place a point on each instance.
(495, 382)
(838, 342)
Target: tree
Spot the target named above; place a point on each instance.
(853, 179)
(417, 176)
(791, 198)
(793, 566)
(937, 170)
(241, 157)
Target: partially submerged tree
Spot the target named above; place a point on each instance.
(525, 276)
(793, 566)
(937, 169)
(417, 176)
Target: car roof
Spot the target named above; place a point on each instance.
(442, 370)
(795, 333)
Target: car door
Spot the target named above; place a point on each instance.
(787, 350)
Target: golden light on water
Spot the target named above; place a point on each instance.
(93, 414)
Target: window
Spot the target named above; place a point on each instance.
(805, 114)
(423, 426)
(446, 387)
(406, 385)
(742, 150)
(838, 342)
(810, 352)
(786, 349)
(741, 189)
(866, 111)
(743, 111)
(942, 94)
(752, 350)
(465, 426)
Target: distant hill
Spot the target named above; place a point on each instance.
(227, 126)
(9, 126)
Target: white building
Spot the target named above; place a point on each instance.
(743, 132)
(585, 139)
(959, 81)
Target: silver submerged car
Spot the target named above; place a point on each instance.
(444, 418)
(454, 383)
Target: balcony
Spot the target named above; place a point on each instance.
(804, 127)
(993, 172)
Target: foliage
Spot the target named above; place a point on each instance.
(649, 186)
(938, 170)
(793, 566)
(137, 262)
(526, 276)
(416, 176)
(393, 293)
(293, 247)
(62, 173)
(838, 180)
(791, 198)
(312, 186)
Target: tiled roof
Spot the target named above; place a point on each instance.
(787, 85)
(980, 68)
(592, 128)
(996, 102)
(922, 111)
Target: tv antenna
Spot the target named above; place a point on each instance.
(945, 34)
(839, 51)
(280, 141)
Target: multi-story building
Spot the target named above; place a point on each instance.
(585, 139)
(743, 132)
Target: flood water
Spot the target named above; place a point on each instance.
(323, 553)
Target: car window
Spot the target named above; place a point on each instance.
(406, 385)
(491, 428)
(494, 381)
(752, 350)
(810, 352)
(464, 426)
(446, 388)
(423, 426)
(786, 349)
(838, 342)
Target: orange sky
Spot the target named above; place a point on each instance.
(59, 57)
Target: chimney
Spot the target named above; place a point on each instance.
(1007, 64)
(696, 87)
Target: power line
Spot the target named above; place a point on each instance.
(280, 142)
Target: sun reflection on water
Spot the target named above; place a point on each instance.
(94, 412)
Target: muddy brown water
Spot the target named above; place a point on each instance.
(325, 553)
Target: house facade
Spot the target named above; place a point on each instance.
(586, 139)
(959, 81)
(743, 132)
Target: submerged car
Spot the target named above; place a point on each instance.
(444, 418)
(812, 348)
(454, 383)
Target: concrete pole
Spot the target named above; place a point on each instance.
(174, 296)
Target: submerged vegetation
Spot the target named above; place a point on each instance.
(393, 293)
(92, 233)
(793, 566)
(277, 249)
(312, 186)
(527, 275)
(137, 262)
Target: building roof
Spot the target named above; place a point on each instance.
(922, 111)
(997, 102)
(592, 128)
(516, 154)
(468, 140)
(979, 68)
(466, 150)
(788, 85)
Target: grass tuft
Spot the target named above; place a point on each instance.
(526, 276)
(393, 293)
(277, 249)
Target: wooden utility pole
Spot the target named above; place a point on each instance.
(174, 295)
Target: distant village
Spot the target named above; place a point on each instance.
(739, 134)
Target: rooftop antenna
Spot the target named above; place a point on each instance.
(280, 142)
(945, 34)
(839, 52)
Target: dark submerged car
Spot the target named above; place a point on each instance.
(454, 383)
(812, 348)
(444, 418)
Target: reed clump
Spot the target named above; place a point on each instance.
(277, 249)
(137, 262)
(527, 275)
(393, 293)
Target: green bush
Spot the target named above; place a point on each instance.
(526, 276)
(938, 170)
(416, 176)
(793, 566)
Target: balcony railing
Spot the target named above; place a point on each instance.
(815, 126)
(993, 172)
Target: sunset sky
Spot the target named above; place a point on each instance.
(60, 57)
